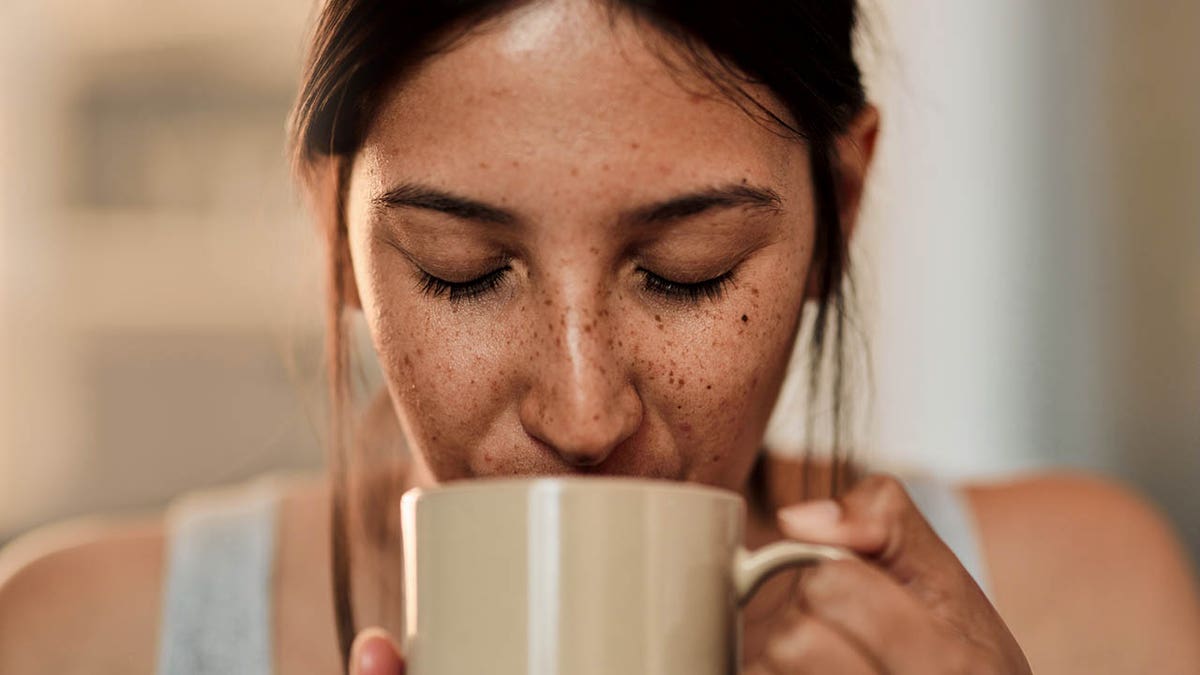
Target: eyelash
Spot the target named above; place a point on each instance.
(710, 289)
(465, 290)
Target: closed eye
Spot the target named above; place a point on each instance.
(691, 292)
(458, 291)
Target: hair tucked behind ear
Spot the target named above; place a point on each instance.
(801, 50)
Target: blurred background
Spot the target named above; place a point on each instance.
(1029, 260)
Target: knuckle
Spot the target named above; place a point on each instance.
(885, 496)
(892, 493)
(778, 654)
(831, 580)
(790, 645)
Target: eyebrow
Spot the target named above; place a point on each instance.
(695, 203)
(415, 196)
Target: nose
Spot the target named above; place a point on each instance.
(581, 402)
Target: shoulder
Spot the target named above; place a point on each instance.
(1080, 567)
(81, 597)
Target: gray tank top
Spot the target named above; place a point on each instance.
(220, 567)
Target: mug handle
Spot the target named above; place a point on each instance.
(751, 568)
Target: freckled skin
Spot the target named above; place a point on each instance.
(572, 364)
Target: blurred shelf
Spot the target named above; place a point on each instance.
(263, 38)
(123, 269)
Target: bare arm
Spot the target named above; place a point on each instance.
(81, 598)
(1089, 577)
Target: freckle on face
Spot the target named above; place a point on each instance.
(581, 155)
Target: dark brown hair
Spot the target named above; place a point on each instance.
(801, 50)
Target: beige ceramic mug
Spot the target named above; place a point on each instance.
(580, 576)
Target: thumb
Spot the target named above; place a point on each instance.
(374, 653)
(878, 520)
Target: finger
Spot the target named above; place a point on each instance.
(883, 619)
(878, 520)
(807, 646)
(374, 653)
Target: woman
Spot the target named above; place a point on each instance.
(583, 234)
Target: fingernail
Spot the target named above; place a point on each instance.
(821, 513)
(373, 654)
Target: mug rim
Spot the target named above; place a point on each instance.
(559, 484)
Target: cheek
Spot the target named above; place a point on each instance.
(707, 378)
(451, 373)
(715, 385)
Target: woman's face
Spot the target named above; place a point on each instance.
(574, 258)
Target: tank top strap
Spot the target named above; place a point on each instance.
(217, 597)
(947, 510)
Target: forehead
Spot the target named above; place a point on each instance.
(565, 88)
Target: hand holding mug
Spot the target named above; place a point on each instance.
(907, 606)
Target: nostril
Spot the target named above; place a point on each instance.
(580, 414)
(583, 460)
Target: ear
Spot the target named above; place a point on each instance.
(325, 181)
(852, 154)
(854, 151)
(350, 297)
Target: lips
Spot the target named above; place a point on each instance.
(544, 461)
